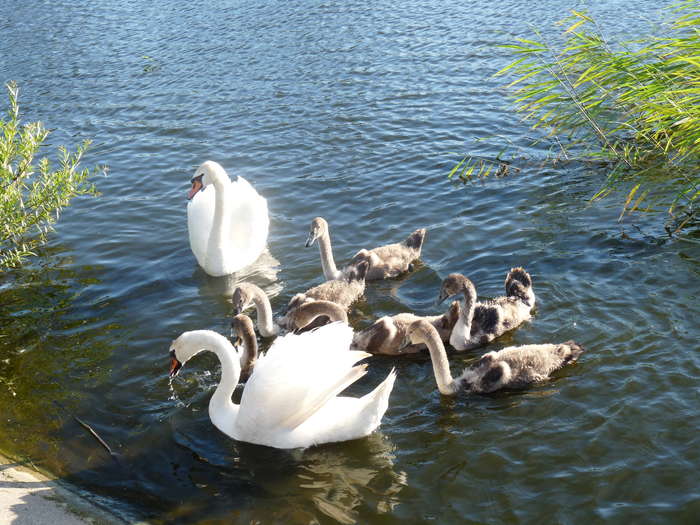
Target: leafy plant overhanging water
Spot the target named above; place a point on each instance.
(634, 105)
(32, 194)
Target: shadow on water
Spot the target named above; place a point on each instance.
(232, 482)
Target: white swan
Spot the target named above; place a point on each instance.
(227, 220)
(515, 366)
(291, 398)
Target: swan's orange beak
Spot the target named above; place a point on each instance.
(196, 186)
(175, 365)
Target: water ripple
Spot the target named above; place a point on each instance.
(355, 113)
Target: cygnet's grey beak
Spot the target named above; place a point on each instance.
(310, 239)
(442, 297)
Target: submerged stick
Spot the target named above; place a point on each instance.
(96, 435)
(92, 432)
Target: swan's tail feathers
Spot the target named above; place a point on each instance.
(415, 240)
(377, 401)
(519, 285)
(573, 353)
(518, 274)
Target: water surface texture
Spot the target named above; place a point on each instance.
(355, 111)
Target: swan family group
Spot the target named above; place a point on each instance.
(291, 395)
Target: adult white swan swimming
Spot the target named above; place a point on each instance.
(291, 399)
(227, 220)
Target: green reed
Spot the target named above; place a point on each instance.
(633, 105)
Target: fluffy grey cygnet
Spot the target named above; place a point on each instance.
(481, 322)
(512, 367)
(343, 292)
(384, 261)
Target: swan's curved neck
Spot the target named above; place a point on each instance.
(327, 262)
(441, 366)
(222, 411)
(264, 310)
(461, 332)
(222, 211)
(467, 313)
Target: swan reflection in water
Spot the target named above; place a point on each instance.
(334, 480)
(263, 273)
(341, 483)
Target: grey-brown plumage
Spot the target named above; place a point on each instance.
(480, 322)
(243, 334)
(388, 335)
(247, 295)
(343, 292)
(518, 366)
(512, 367)
(384, 262)
(393, 259)
(307, 315)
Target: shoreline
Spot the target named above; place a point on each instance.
(32, 497)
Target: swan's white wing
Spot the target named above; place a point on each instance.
(200, 216)
(344, 418)
(249, 224)
(297, 376)
(248, 228)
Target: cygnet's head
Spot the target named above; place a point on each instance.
(419, 331)
(319, 228)
(243, 297)
(454, 284)
(519, 284)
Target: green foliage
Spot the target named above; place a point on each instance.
(632, 105)
(32, 193)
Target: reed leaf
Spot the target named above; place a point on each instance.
(635, 103)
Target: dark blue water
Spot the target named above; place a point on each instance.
(356, 112)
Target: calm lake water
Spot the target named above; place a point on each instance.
(356, 112)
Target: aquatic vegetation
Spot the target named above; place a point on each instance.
(32, 193)
(633, 106)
